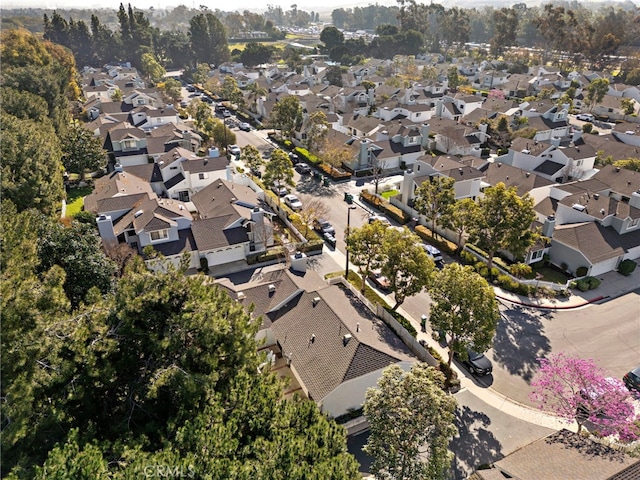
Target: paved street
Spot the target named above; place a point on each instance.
(485, 435)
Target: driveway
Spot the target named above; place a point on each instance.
(485, 435)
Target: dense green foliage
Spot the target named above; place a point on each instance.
(412, 423)
(153, 372)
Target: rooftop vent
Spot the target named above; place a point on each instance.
(272, 288)
(345, 338)
(241, 296)
(578, 207)
(528, 174)
(596, 196)
(138, 213)
(315, 301)
(602, 212)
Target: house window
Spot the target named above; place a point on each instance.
(128, 144)
(537, 254)
(203, 176)
(140, 101)
(634, 222)
(579, 163)
(159, 235)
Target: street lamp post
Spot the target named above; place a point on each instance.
(346, 239)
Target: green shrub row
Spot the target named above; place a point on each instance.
(307, 155)
(393, 212)
(586, 283)
(313, 245)
(442, 244)
(402, 321)
(268, 256)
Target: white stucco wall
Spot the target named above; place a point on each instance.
(351, 394)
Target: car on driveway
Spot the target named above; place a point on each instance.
(293, 202)
(585, 117)
(379, 280)
(303, 169)
(234, 149)
(632, 379)
(476, 362)
(244, 126)
(433, 252)
(379, 218)
(323, 226)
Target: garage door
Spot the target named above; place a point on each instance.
(226, 255)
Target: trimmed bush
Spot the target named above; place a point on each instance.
(627, 267)
(394, 212)
(467, 258)
(204, 265)
(442, 244)
(581, 271)
(587, 283)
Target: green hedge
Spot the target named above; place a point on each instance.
(402, 321)
(442, 244)
(394, 212)
(270, 255)
(587, 283)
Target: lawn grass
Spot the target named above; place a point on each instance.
(387, 194)
(552, 275)
(75, 199)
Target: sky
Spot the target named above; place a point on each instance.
(255, 5)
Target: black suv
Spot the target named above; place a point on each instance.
(476, 362)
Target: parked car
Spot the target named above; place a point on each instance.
(303, 169)
(208, 100)
(323, 226)
(596, 397)
(632, 379)
(432, 251)
(294, 158)
(279, 189)
(226, 113)
(476, 362)
(190, 88)
(379, 280)
(244, 126)
(585, 117)
(379, 218)
(234, 149)
(256, 172)
(293, 202)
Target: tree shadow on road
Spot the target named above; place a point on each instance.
(520, 341)
(475, 444)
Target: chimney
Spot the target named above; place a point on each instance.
(549, 226)
(299, 262)
(105, 228)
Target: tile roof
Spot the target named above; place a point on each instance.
(565, 455)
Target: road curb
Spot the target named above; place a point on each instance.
(553, 307)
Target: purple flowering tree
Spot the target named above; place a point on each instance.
(578, 390)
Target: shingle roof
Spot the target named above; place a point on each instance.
(211, 234)
(597, 243)
(549, 167)
(185, 243)
(565, 455)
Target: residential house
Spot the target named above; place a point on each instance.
(458, 139)
(335, 348)
(127, 145)
(468, 178)
(594, 223)
(223, 223)
(394, 146)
